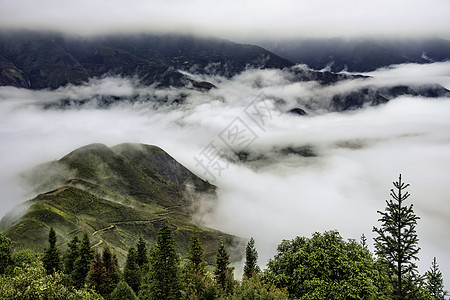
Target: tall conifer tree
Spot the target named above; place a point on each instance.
(251, 260)
(196, 252)
(83, 262)
(131, 272)
(163, 279)
(111, 275)
(141, 258)
(223, 273)
(397, 240)
(51, 257)
(71, 255)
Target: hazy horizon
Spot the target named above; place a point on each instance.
(236, 20)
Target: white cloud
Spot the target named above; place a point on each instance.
(233, 19)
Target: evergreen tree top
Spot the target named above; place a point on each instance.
(397, 240)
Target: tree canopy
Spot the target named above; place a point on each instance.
(325, 267)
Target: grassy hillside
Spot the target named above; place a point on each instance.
(116, 195)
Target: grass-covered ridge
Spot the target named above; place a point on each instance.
(116, 195)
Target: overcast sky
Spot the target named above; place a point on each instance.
(234, 19)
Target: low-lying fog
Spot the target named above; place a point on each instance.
(302, 174)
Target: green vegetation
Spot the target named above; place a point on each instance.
(5, 252)
(123, 292)
(131, 271)
(82, 263)
(223, 273)
(326, 267)
(435, 283)
(251, 260)
(163, 278)
(397, 239)
(51, 256)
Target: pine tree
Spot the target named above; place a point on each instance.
(193, 272)
(131, 272)
(142, 258)
(163, 278)
(51, 257)
(397, 240)
(196, 253)
(71, 255)
(223, 274)
(97, 273)
(251, 260)
(435, 283)
(112, 276)
(82, 263)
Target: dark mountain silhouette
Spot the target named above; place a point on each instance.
(359, 55)
(50, 60)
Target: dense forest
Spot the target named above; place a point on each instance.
(324, 266)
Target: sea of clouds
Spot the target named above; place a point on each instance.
(274, 194)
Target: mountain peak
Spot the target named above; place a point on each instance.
(116, 194)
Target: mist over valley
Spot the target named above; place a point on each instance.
(274, 126)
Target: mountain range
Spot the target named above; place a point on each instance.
(50, 60)
(360, 55)
(37, 60)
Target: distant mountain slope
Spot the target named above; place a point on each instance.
(359, 55)
(115, 194)
(49, 60)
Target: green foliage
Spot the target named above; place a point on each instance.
(141, 255)
(223, 274)
(5, 252)
(51, 257)
(131, 272)
(33, 283)
(363, 241)
(435, 282)
(195, 284)
(251, 267)
(71, 255)
(112, 275)
(123, 292)
(82, 263)
(163, 279)
(397, 239)
(196, 253)
(325, 267)
(415, 286)
(24, 258)
(255, 289)
(97, 272)
(102, 275)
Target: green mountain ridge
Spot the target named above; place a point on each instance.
(115, 194)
